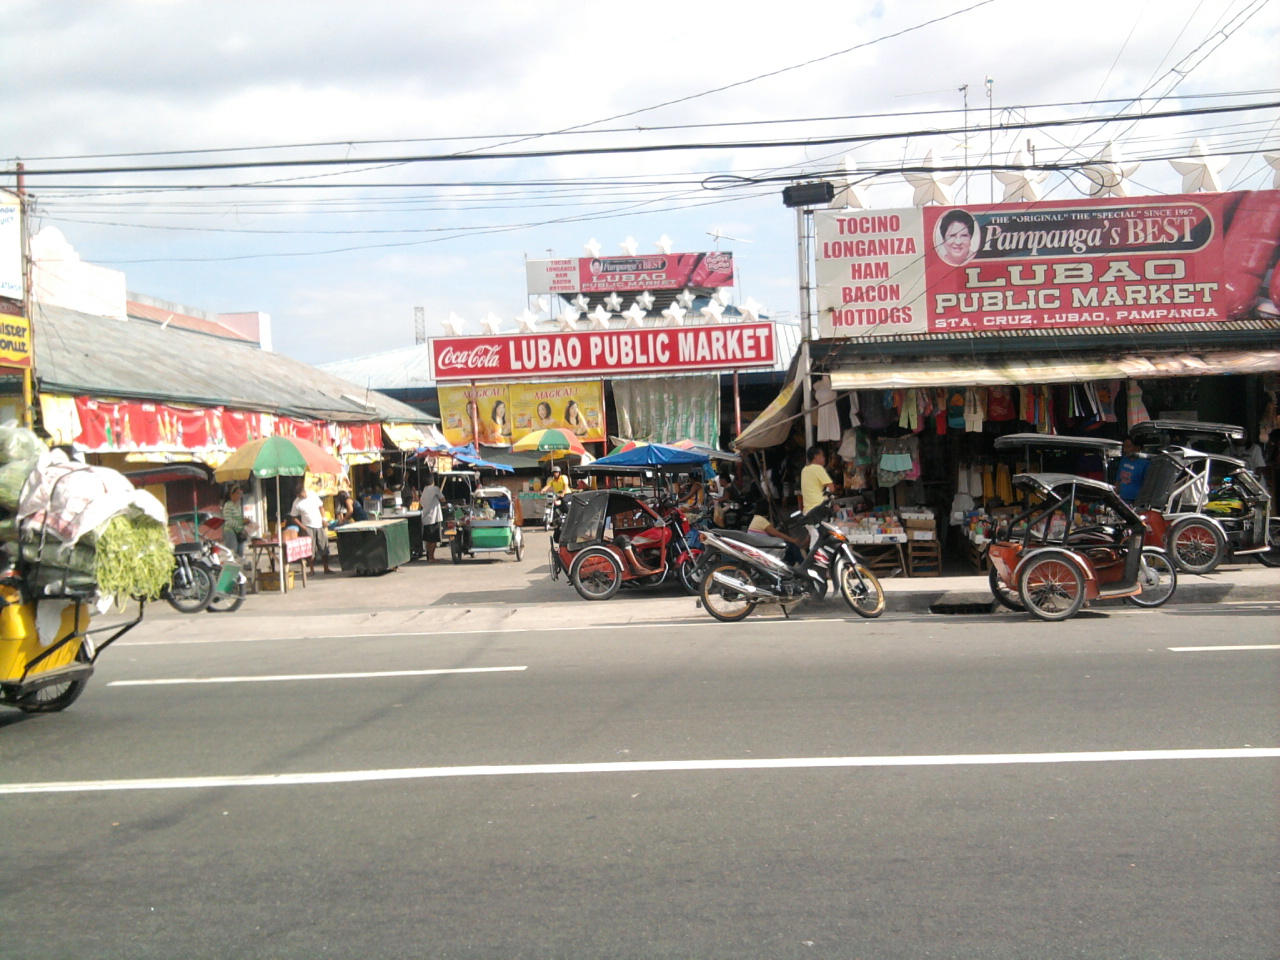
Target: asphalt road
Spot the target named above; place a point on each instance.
(909, 787)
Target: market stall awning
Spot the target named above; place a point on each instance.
(775, 421)
(989, 372)
(404, 436)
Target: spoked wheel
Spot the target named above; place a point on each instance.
(194, 595)
(1271, 558)
(228, 602)
(690, 573)
(1158, 578)
(722, 601)
(1196, 546)
(860, 589)
(1052, 587)
(596, 574)
(1006, 596)
(57, 696)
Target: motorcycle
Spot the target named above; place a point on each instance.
(748, 570)
(207, 575)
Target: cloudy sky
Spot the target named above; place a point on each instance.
(403, 100)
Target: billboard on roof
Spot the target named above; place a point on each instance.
(11, 285)
(1046, 266)
(650, 271)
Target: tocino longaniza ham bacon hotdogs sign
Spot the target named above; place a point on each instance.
(1050, 265)
(731, 346)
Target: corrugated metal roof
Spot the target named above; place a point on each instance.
(80, 354)
(409, 368)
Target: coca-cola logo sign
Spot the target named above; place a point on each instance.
(479, 357)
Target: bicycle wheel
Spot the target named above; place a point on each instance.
(1159, 579)
(723, 601)
(1006, 596)
(194, 595)
(860, 589)
(1052, 587)
(56, 696)
(596, 574)
(1196, 546)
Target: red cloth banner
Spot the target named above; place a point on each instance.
(650, 271)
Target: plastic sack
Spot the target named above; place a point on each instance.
(68, 500)
(18, 444)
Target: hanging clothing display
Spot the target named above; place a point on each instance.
(824, 400)
(1000, 404)
(975, 406)
(1137, 409)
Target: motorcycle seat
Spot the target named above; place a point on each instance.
(760, 540)
(188, 549)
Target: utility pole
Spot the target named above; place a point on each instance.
(419, 325)
(964, 94)
(991, 130)
(28, 384)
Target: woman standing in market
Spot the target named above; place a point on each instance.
(233, 532)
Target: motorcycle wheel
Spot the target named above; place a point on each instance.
(455, 549)
(596, 574)
(1271, 558)
(1196, 546)
(1052, 587)
(57, 696)
(192, 597)
(722, 602)
(860, 589)
(1006, 596)
(1159, 579)
(227, 602)
(690, 572)
(519, 539)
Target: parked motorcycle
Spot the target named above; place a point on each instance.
(749, 570)
(207, 575)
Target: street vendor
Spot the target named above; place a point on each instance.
(432, 500)
(233, 526)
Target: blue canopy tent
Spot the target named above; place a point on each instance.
(467, 454)
(652, 456)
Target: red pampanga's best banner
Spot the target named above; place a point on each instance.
(1192, 258)
(650, 271)
(730, 346)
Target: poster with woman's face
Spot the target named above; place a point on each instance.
(576, 407)
(464, 410)
(957, 238)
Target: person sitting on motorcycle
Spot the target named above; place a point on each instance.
(795, 546)
(558, 484)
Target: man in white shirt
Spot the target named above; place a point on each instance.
(310, 513)
(432, 501)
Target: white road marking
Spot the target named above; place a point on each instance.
(1242, 646)
(309, 676)
(637, 766)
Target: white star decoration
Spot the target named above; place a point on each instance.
(592, 248)
(675, 315)
(540, 304)
(629, 246)
(664, 244)
(685, 298)
(849, 195)
(568, 320)
(712, 312)
(613, 302)
(931, 187)
(1273, 160)
(721, 296)
(1021, 184)
(453, 326)
(635, 316)
(491, 325)
(600, 318)
(1108, 174)
(645, 300)
(1200, 171)
(580, 303)
(750, 310)
(527, 322)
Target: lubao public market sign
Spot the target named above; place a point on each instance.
(733, 346)
(1193, 258)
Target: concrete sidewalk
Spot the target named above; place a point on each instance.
(488, 595)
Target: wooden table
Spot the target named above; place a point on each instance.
(279, 554)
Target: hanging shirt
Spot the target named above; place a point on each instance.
(974, 409)
(1000, 403)
(955, 408)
